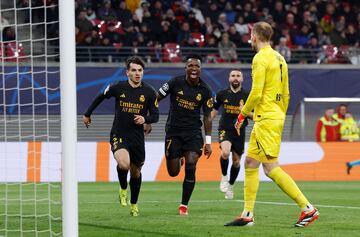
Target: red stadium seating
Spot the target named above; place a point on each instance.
(14, 52)
(198, 38)
(117, 45)
(334, 55)
(171, 53)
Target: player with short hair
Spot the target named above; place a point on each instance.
(232, 100)
(135, 105)
(183, 140)
(269, 98)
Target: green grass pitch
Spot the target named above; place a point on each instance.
(100, 214)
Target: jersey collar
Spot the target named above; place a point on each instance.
(187, 82)
(141, 84)
(233, 91)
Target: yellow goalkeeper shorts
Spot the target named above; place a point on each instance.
(265, 140)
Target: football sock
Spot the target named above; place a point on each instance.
(122, 176)
(247, 214)
(251, 186)
(188, 184)
(135, 184)
(234, 172)
(308, 208)
(288, 186)
(224, 165)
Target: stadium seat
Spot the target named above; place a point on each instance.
(345, 50)
(117, 45)
(12, 54)
(171, 53)
(198, 38)
(101, 25)
(334, 55)
(330, 51)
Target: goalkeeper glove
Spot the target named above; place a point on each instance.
(239, 122)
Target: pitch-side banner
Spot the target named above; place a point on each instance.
(41, 162)
(93, 80)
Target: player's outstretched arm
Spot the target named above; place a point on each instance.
(98, 99)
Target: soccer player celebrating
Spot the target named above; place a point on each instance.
(183, 139)
(232, 99)
(135, 105)
(269, 98)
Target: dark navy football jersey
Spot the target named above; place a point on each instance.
(129, 102)
(186, 102)
(230, 102)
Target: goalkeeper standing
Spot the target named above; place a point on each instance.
(269, 98)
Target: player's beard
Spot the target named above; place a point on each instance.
(235, 85)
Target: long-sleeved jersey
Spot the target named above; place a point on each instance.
(269, 96)
(186, 102)
(129, 102)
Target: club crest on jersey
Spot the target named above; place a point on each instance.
(198, 97)
(142, 98)
(210, 103)
(122, 95)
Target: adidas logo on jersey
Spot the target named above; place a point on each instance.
(226, 101)
(122, 96)
(181, 93)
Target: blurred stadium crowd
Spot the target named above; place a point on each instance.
(306, 31)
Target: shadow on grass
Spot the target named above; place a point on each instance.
(117, 228)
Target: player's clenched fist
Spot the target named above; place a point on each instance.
(86, 121)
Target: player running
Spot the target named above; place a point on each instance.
(135, 105)
(232, 100)
(188, 95)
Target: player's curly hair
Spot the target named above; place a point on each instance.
(135, 60)
(194, 56)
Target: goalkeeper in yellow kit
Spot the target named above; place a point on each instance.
(269, 98)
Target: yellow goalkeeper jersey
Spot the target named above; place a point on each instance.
(269, 96)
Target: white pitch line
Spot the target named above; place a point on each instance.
(236, 200)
